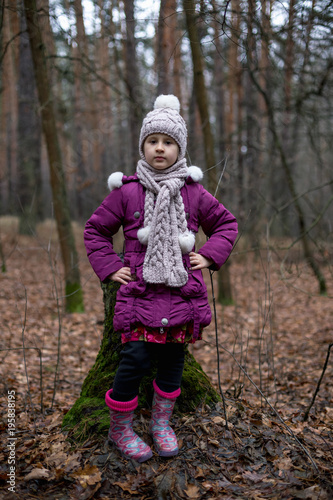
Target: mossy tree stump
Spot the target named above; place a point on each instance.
(90, 415)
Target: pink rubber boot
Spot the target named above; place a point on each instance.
(164, 437)
(121, 432)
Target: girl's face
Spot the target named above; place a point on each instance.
(160, 150)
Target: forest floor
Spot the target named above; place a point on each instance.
(273, 342)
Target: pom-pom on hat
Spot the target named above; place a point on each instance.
(165, 119)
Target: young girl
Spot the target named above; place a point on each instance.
(162, 301)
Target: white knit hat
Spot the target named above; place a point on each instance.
(165, 119)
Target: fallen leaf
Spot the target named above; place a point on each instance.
(193, 491)
(208, 486)
(200, 473)
(56, 459)
(37, 474)
(311, 493)
(284, 463)
(89, 475)
(254, 476)
(126, 486)
(72, 462)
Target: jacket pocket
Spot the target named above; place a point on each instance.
(195, 285)
(138, 285)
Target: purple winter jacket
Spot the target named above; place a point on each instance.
(150, 304)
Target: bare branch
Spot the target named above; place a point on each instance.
(306, 414)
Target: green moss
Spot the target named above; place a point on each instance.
(196, 387)
(90, 415)
(74, 298)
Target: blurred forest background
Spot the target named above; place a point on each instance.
(255, 83)
(254, 79)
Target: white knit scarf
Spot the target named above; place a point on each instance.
(165, 227)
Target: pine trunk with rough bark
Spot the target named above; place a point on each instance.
(87, 119)
(132, 83)
(29, 140)
(9, 111)
(73, 290)
(90, 415)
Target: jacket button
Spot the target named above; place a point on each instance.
(165, 321)
(136, 215)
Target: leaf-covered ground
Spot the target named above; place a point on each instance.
(272, 347)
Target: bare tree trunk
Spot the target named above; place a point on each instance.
(29, 139)
(119, 146)
(9, 166)
(73, 291)
(264, 69)
(247, 175)
(219, 88)
(200, 91)
(90, 143)
(132, 81)
(175, 44)
(166, 47)
(225, 295)
(231, 120)
(104, 91)
(163, 76)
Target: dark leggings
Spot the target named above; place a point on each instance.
(136, 362)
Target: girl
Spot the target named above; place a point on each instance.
(162, 301)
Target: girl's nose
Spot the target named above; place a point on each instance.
(159, 146)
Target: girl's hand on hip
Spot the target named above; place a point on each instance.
(199, 261)
(123, 276)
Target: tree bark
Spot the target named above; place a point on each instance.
(132, 82)
(73, 291)
(167, 62)
(88, 128)
(225, 295)
(200, 91)
(176, 42)
(163, 73)
(264, 67)
(105, 115)
(9, 111)
(29, 139)
(219, 87)
(90, 415)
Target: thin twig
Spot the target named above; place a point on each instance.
(218, 351)
(273, 409)
(24, 358)
(40, 369)
(306, 414)
(220, 179)
(56, 374)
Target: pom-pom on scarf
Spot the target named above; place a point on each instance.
(165, 227)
